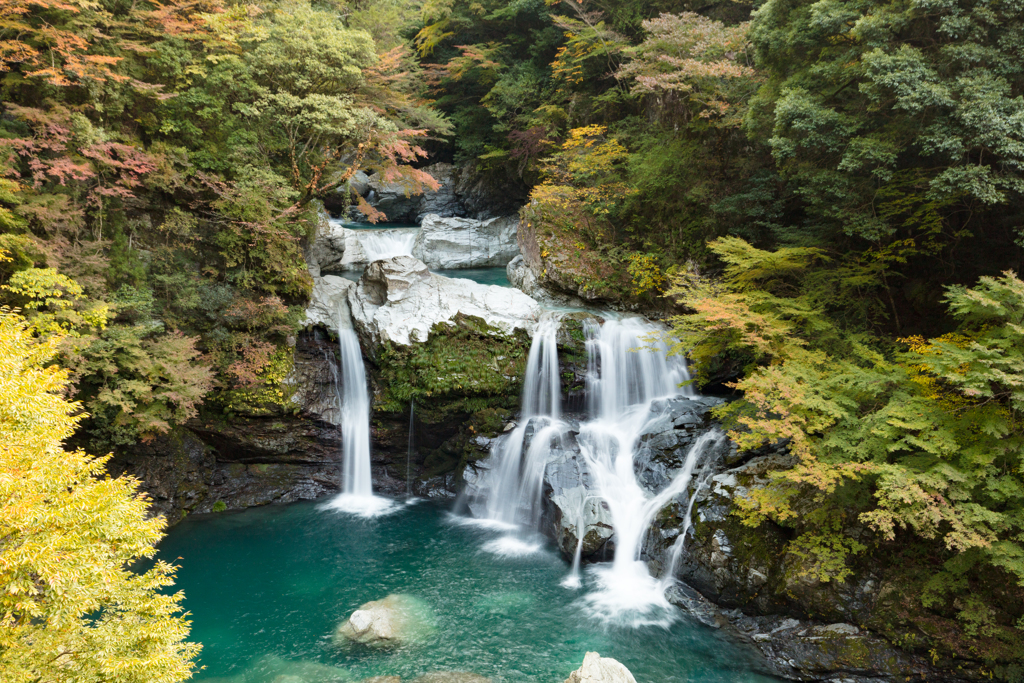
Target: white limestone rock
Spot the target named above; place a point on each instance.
(335, 248)
(598, 669)
(466, 243)
(399, 300)
(328, 305)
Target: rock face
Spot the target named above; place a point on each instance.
(806, 629)
(396, 620)
(399, 301)
(466, 243)
(598, 669)
(465, 192)
(339, 249)
(280, 454)
(328, 301)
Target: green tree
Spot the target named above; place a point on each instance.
(71, 608)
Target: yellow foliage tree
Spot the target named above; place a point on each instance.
(72, 610)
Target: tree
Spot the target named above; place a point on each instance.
(72, 608)
(916, 438)
(898, 124)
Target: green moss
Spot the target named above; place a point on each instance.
(220, 506)
(462, 368)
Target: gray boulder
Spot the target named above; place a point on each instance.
(581, 512)
(598, 669)
(400, 205)
(466, 243)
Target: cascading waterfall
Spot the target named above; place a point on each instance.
(516, 484)
(356, 478)
(628, 370)
(513, 502)
(382, 244)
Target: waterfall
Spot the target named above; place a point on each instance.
(517, 482)
(356, 477)
(628, 370)
(382, 244)
(668, 577)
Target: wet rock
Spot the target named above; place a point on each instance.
(398, 301)
(598, 669)
(396, 620)
(579, 509)
(441, 487)
(335, 248)
(811, 651)
(177, 471)
(520, 276)
(465, 242)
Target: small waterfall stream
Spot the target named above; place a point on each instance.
(356, 477)
(517, 485)
(382, 244)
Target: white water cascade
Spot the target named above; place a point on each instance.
(356, 478)
(628, 370)
(382, 244)
(514, 501)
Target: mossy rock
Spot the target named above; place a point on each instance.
(464, 367)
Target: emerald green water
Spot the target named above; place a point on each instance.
(267, 587)
(485, 276)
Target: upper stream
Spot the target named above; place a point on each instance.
(266, 588)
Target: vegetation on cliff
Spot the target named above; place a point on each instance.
(159, 166)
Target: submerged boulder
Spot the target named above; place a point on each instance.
(598, 669)
(466, 243)
(396, 620)
(451, 677)
(399, 301)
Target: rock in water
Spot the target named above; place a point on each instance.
(396, 620)
(466, 243)
(579, 511)
(598, 669)
(451, 677)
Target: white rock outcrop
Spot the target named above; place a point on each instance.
(399, 300)
(466, 243)
(329, 302)
(598, 669)
(337, 248)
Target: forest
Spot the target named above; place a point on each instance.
(823, 198)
